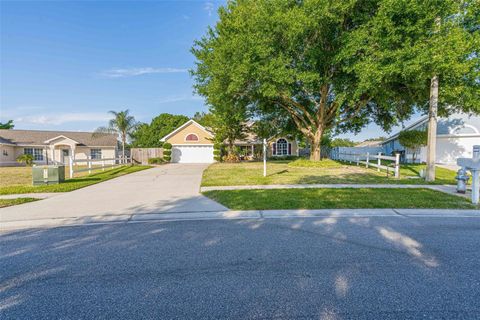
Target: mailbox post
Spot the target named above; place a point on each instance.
(473, 165)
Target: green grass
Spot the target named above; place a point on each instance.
(337, 198)
(307, 172)
(70, 184)
(13, 202)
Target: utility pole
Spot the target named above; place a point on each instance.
(432, 122)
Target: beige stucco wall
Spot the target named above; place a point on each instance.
(10, 157)
(80, 153)
(179, 137)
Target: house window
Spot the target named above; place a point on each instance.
(5, 153)
(282, 147)
(35, 152)
(95, 153)
(191, 137)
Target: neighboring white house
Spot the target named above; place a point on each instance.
(456, 136)
(49, 147)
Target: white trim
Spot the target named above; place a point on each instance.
(452, 130)
(60, 136)
(191, 121)
(276, 148)
(196, 135)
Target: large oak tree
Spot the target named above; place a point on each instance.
(298, 59)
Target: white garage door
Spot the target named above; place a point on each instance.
(192, 154)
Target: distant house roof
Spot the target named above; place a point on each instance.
(413, 126)
(37, 137)
(370, 143)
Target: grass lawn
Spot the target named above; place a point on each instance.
(337, 198)
(12, 202)
(306, 172)
(15, 180)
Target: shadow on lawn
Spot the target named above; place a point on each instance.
(143, 266)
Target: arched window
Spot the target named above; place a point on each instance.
(191, 137)
(282, 147)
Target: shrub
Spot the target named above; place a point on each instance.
(27, 159)
(216, 152)
(217, 146)
(284, 158)
(232, 157)
(167, 152)
(217, 158)
(155, 161)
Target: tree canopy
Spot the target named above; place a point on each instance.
(7, 125)
(335, 66)
(149, 135)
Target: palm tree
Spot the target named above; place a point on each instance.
(122, 124)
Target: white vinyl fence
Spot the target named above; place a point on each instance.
(368, 159)
(96, 164)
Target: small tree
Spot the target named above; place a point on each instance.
(7, 125)
(413, 139)
(167, 152)
(123, 124)
(27, 159)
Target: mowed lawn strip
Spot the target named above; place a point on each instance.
(306, 172)
(337, 199)
(68, 185)
(13, 202)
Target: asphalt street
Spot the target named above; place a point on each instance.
(296, 268)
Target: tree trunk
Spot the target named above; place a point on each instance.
(432, 130)
(315, 148)
(123, 148)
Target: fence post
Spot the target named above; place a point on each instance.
(397, 165)
(103, 165)
(70, 160)
(358, 159)
(89, 162)
(368, 158)
(379, 161)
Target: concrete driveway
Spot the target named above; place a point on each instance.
(168, 188)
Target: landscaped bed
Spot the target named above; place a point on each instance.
(12, 202)
(18, 180)
(307, 172)
(337, 198)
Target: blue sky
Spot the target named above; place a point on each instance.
(64, 65)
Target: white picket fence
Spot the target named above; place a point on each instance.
(104, 164)
(370, 160)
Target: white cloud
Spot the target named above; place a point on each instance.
(61, 118)
(132, 72)
(209, 7)
(179, 98)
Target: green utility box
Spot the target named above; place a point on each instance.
(53, 174)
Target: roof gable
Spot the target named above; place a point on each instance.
(186, 124)
(39, 137)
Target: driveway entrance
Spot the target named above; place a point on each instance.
(168, 188)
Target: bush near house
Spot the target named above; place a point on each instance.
(217, 152)
(27, 159)
(155, 161)
(167, 152)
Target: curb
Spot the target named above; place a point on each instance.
(237, 215)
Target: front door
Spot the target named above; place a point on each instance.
(65, 155)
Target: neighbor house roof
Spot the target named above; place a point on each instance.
(414, 125)
(37, 137)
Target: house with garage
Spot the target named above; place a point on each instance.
(456, 136)
(55, 147)
(193, 143)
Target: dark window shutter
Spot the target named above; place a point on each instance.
(289, 149)
(274, 149)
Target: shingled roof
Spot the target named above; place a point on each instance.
(37, 137)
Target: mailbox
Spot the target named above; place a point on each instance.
(44, 175)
